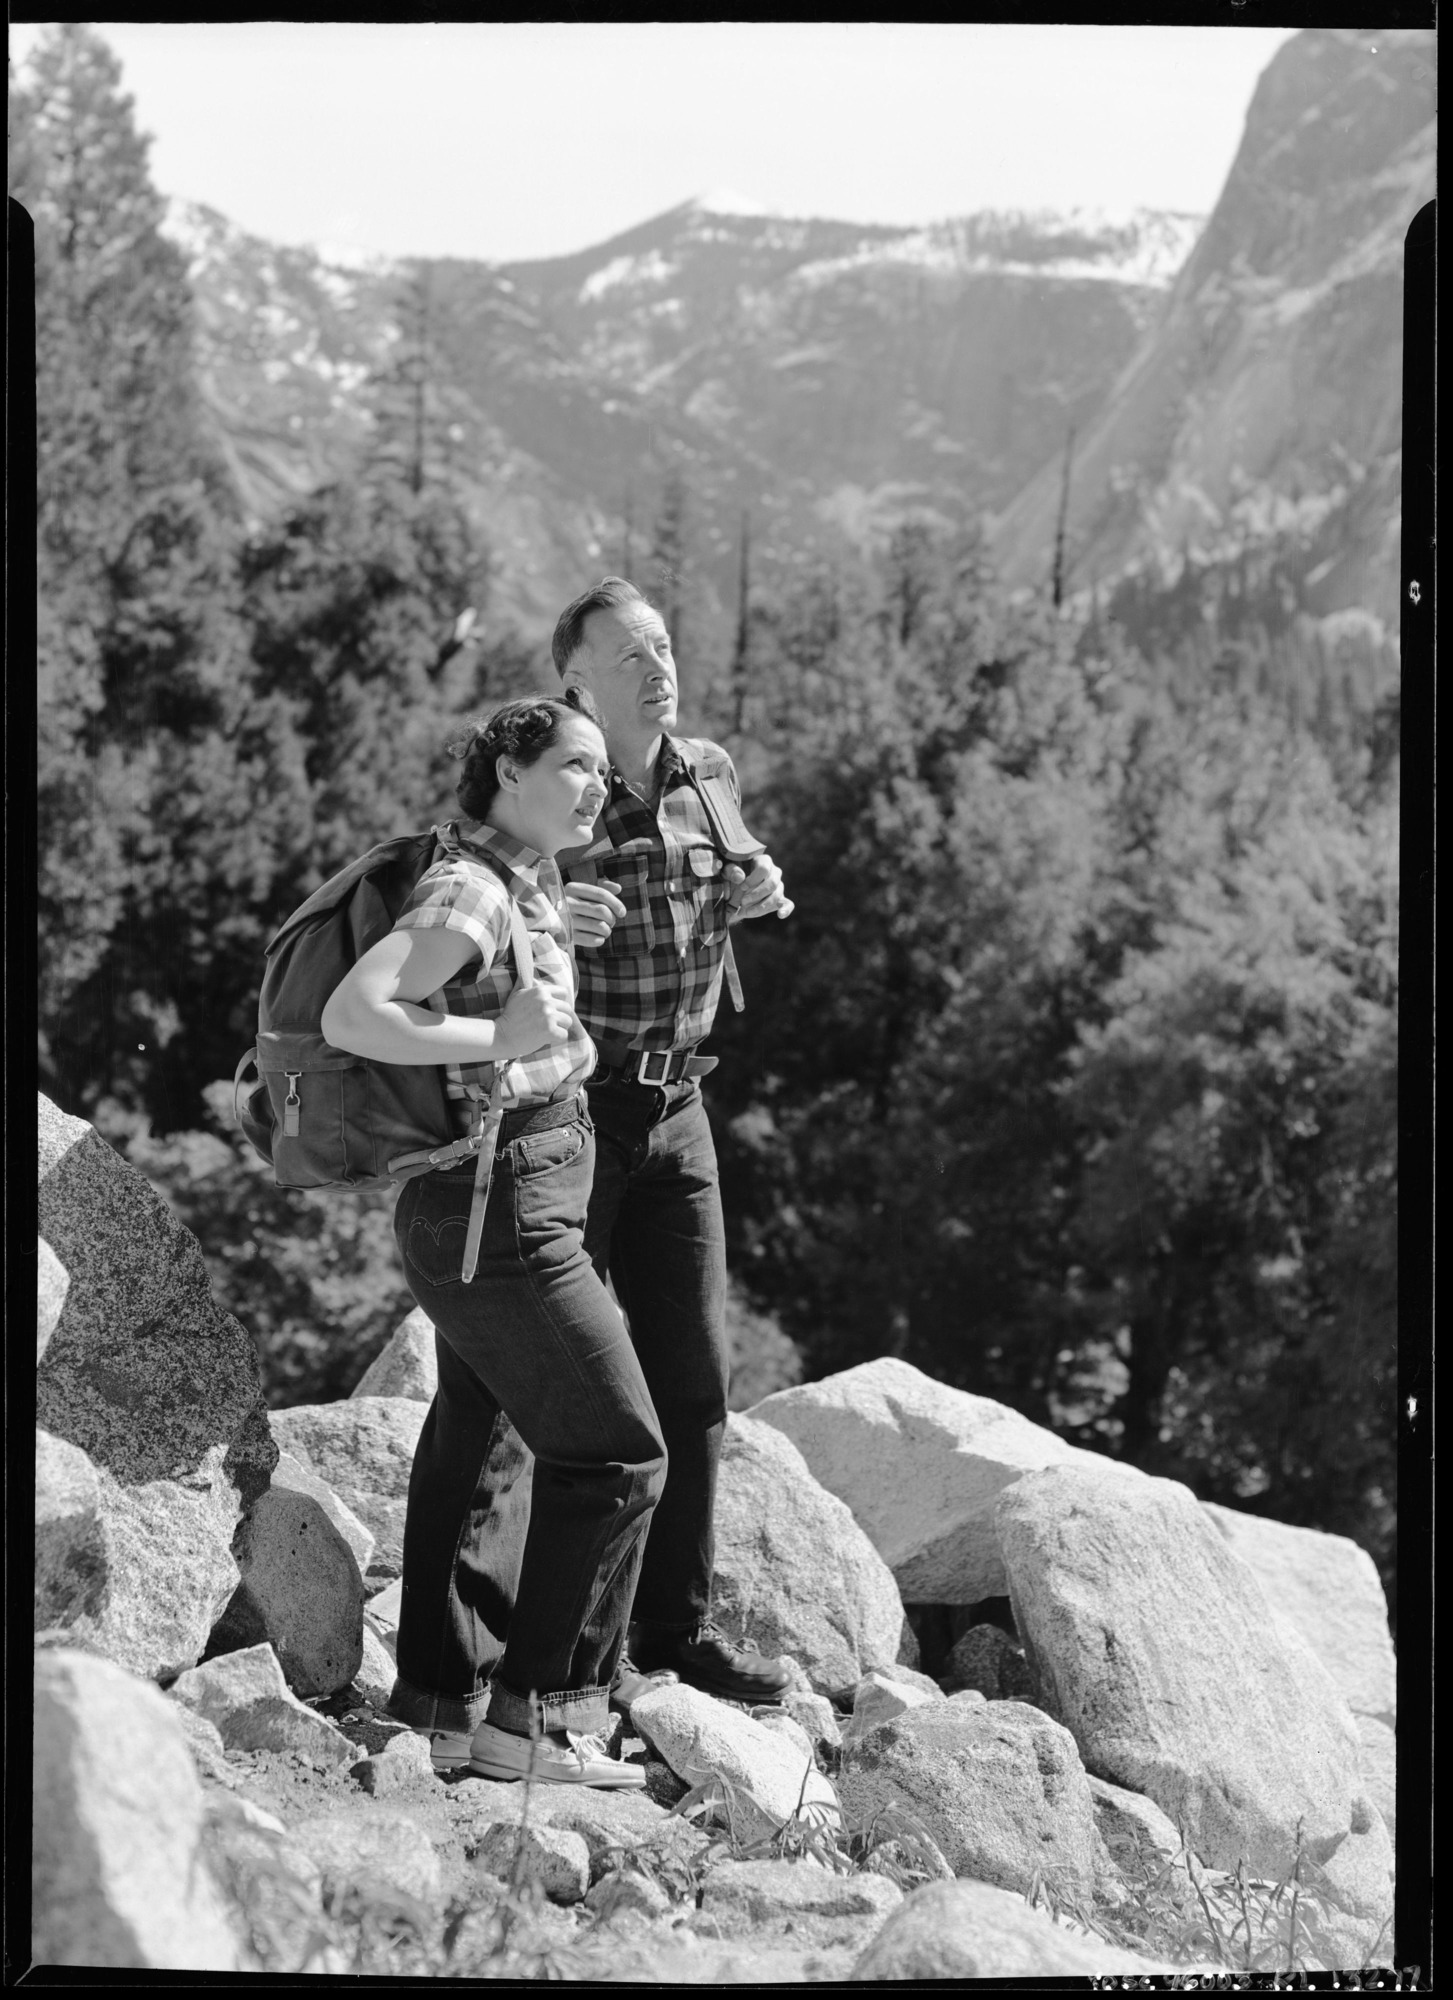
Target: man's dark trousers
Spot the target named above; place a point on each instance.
(655, 1222)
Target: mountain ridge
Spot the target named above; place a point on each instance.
(1223, 380)
(730, 352)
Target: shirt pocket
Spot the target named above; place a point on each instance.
(634, 933)
(702, 887)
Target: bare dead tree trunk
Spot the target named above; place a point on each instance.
(739, 653)
(1057, 582)
(421, 381)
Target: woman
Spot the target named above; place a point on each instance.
(532, 1344)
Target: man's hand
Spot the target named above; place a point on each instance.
(757, 892)
(595, 910)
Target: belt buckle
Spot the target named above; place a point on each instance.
(648, 1056)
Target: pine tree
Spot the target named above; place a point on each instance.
(416, 418)
(158, 778)
(117, 408)
(112, 410)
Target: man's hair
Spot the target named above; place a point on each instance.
(603, 596)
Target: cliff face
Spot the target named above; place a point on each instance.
(1268, 394)
(829, 377)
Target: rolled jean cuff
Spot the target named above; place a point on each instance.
(422, 1710)
(586, 1711)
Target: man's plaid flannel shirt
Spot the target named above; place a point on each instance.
(656, 981)
(457, 894)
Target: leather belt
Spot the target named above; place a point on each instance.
(533, 1118)
(650, 1066)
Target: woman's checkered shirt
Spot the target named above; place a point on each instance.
(459, 893)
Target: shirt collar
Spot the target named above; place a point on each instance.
(672, 764)
(486, 839)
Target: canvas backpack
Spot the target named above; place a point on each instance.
(321, 1116)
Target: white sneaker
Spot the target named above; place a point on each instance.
(448, 1748)
(559, 1758)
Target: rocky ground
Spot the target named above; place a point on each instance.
(380, 1865)
(1047, 1715)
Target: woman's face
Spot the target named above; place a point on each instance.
(555, 800)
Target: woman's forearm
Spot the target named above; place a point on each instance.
(399, 1031)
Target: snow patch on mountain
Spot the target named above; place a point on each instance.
(206, 236)
(349, 257)
(1143, 247)
(199, 232)
(726, 201)
(651, 269)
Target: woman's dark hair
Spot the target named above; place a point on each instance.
(521, 730)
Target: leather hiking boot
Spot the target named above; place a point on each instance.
(559, 1757)
(708, 1660)
(631, 1682)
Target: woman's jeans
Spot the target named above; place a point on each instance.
(532, 1351)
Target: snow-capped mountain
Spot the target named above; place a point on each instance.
(829, 378)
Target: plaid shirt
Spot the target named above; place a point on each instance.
(656, 981)
(458, 894)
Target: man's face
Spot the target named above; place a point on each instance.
(624, 660)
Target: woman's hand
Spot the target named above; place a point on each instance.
(534, 1018)
(595, 910)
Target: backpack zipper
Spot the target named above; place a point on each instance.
(292, 1104)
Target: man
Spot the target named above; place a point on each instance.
(651, 901)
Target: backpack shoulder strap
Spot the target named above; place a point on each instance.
(702, 757)
(706, 764)
(493, 1113)
(520, 939)
(519, 930)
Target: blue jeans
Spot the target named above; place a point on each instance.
(655, 1221)
(525, 1579)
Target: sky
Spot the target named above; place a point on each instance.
(502, 140)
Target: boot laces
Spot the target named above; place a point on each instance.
(710, 1633)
